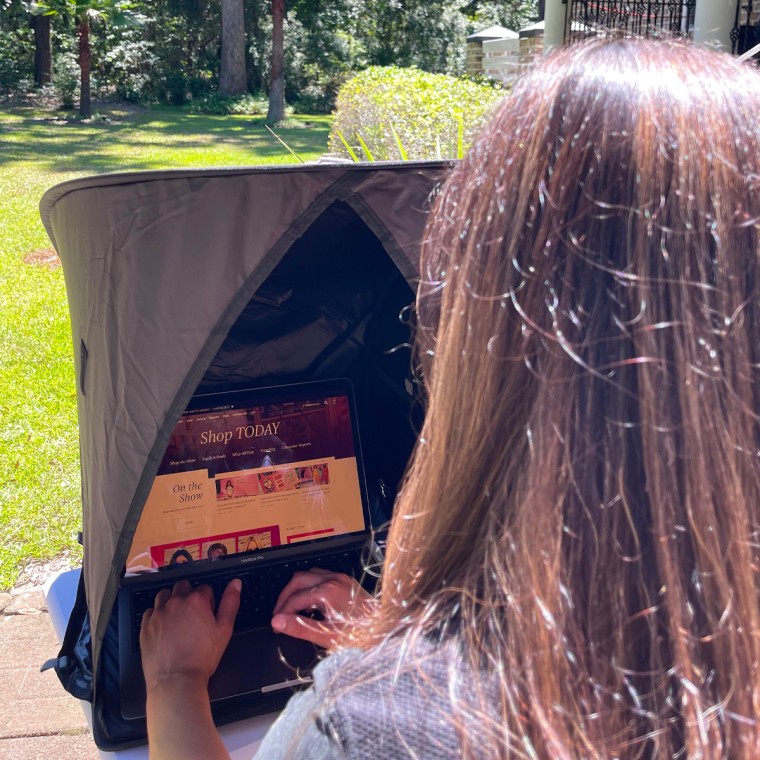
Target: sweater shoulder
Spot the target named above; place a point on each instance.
(390, 701)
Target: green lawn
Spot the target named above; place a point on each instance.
(39, 467)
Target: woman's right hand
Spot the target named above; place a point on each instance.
(337, 597)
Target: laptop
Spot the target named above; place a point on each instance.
(255, 484)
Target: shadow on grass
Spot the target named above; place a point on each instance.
(149, 140)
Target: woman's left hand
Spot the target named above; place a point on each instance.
(182, 640)
(183, 637)
(338, 597)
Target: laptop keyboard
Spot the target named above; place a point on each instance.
(261, 587)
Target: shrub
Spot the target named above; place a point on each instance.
(175, 87)
(16, 60)
(319, 57)
(251, 105)
(313, 99)
(129, 68)
(433, 115)
(200, 85)
(66, 78)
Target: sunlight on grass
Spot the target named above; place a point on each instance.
(39, 490)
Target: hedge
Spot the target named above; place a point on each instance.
(432, 115)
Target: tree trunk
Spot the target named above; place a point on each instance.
(43, 52)
(232, 77)
(84, 68)
(276, 110)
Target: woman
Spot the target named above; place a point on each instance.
(180, 557)
(585, 583)
(216, 551)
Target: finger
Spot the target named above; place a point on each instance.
(229, 604)
(321, 634)
(207, 592)
(308, 599)
(182, 588)
(161, 598)
(299, 582)
(147, 615)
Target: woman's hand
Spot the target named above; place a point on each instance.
(182, 641)
(339, 598)
(182, 637)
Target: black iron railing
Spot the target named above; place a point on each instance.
(645, 18)
(746, 32)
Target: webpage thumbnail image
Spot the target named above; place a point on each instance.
(214, 547)
(247, 484)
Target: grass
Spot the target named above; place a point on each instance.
(40, 511)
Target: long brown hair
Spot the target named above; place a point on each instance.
(582, 510)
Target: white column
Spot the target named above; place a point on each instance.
(713, 21)
(554, 24)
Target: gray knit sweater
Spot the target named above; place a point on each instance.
(389, 702)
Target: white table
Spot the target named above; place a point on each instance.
(241, 739)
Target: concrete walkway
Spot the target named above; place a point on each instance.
(38, 719)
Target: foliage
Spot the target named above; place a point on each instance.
(428, 34)
(252, 105)
(174, 57)
(323, 48)
(512, 15)
(85, 13)
(16, 59)
(40, 510)
(66, 78)
(406, 111)
(116, 11)
(185, 38)
(126, 66)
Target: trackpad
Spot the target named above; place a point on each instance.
(262, 661)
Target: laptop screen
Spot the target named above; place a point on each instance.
(250, 471)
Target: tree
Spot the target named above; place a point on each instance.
(514, 14)
(84, 12)
(43, 51)
(427, 34)
(232, 74)
(276, 111)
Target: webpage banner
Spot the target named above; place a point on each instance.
(245, 480)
